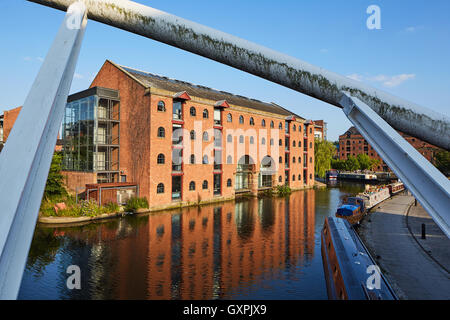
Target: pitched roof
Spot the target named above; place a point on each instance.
(155, 81)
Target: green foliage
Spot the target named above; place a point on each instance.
(351, 164)
(284, 191)
(135, 203)
(323, 155)
(442, 162)
(338, 164)
(55, 186)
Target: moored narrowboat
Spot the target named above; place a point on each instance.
(351, 209)
(350, 271)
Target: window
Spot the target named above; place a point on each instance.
(229, 118)
(192, 159)
(252, 121)
(299, 159)
(177, 112)
(294, 127)
(293, 159)
(299, 144)
(160, 188)
(263, 123)
(205, 184)
(192, 112)
(205, 159)
(272, 125)
(293, 177)
(280, 160)
(229, 138)
(241, 139)
(205, 136)
(280, 126)
(192, 133)
(191, 186)
(293, 143)
(280, 179)
(229, 183)
(241, 119)
(299, 177)
(310, 130)
(252, 140)
(310, 145)
(161, 132)
(229, 160)
(161, 159)
(161, 106)
(310, 159)
(280, 142)
(271, 142)
(263, 141)
(205, 114)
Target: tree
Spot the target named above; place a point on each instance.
(365, 162)
(442, 162)
(351, 164)
(323, 154)
(338, 164)
(55, 185)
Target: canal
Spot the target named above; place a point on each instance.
(252, 248)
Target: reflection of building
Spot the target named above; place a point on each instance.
(182, 143)
(320, 130)
(352, 143)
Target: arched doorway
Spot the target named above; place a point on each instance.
(244, 171)
(267, 171)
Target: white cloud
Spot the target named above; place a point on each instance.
(387, 81)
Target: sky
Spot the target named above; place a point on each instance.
(407, 57)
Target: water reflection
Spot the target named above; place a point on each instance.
(231, 250)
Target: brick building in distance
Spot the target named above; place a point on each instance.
(320, 129)
(352, 143)
(181, 143)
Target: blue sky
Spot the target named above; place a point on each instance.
(408, 57)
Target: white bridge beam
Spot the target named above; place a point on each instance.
(290, 72)
(25, 160)
(425, 182)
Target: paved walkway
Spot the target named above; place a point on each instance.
(416, 268)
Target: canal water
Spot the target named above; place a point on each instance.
(252, 248)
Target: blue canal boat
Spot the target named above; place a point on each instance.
(351, 209)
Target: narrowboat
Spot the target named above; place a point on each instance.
(332, 175)
(374, 195)
(396, 187)
(351, 209)
(350, 271)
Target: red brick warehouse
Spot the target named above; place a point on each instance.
(182, 143)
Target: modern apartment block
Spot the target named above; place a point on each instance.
(181, 143)
(352, 143)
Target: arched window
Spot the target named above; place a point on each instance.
(205, 159)
(293, 143)
(205, 136)
(263, 123)
(192, 159)
(299, 159)
(160, 188)
(229, 117)
(293, 177)
(229, 183)
(280, 142)
(161, 132)
(229, 160)
(280, 160)
(161, 159)
(241, 139)
(280, 126)
(310, 144)
(294, 127)
(280, 179)
(272, 125)
(271, 142)
(263, 141)
(252, 140)
(299, 143)
(192, 112)
(191, 186)
(252, 121)
(241, 119)
(205, 114)
(229, 138)
(310, 130)
(192, 133)
(310, 159)
(299, 177)
(161, 106)
(205, 184)
(293, 159)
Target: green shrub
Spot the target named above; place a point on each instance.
(135, 203)
(283, 191)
